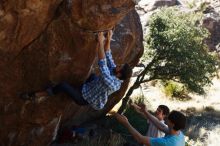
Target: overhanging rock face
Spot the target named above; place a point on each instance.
(53, 40)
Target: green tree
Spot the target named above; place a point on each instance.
(176, 50)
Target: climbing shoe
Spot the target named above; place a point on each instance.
(31, 96)
(28, 96)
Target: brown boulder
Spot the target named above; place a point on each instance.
(211, 21)
(154, 4)
(42, 41)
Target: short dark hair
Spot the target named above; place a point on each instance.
(126, 72)
(178, 119)
(165, 109)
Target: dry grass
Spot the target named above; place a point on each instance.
(155, 96)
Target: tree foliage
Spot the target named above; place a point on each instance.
(175, 50)
(176, 45)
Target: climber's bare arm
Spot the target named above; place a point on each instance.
(108, 40)
(101, 39)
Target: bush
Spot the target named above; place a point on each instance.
(173, 89)
(176, 91)
(110, 140)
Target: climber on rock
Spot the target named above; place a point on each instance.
(96, 89)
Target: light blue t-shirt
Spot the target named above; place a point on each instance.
(169, 140)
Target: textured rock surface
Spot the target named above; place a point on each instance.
(211, 20)
(146, 8)
(54, 40)
(212, 23)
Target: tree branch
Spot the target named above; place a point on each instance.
(136, 84)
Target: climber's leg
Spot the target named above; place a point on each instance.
(71, 91)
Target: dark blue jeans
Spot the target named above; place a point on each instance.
(74, 93)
